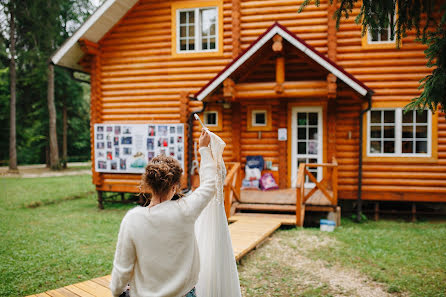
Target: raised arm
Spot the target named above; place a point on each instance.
(198, 200)
(124, 261)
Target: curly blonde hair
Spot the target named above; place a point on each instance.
(161, 174)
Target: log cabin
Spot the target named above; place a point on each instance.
(324, 107)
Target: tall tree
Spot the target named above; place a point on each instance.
(428, 18)
(12, 72)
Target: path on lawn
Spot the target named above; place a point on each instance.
(293, 267)
(40, 170)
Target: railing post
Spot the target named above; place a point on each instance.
(335, 181)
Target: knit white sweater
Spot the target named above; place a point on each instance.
(156, 250)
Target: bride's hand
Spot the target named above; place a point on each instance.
(204, 139)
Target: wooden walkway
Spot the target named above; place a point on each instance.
(247, 232)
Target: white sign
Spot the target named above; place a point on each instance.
(127, 148)
(282, 134)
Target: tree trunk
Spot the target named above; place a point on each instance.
(65, 131)
(12, 72)
(54, 150)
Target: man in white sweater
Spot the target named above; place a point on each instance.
(157, 252)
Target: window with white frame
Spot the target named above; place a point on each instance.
(392, 132)
(197, 29)
(384, 35)
(211, 118)
(258, 118)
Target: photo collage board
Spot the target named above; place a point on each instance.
(127, 148)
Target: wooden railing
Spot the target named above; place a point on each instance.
(231, 186)
(328, 186)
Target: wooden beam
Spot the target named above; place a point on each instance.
(283, 145)
(277, 43)
(229, 88)
(297, 89)
(280, 74)
(236, 49)
(184, 115)
(236, 131)
(89, 47)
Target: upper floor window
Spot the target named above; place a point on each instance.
(391, 132)
(211, 118)
(197, 29)
(384, 35)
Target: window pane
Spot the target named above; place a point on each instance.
(389, 147)
(375, 132)
(183, 17)
(421, 147)
(407, 131)
(302, 133)
(212, 44)
(408, 117)
(312, 133)
(312, 147)
(389, 132)
(374, 35)
(314, 172)
(312, 118)
(182, 31)
(212, 29)
(204, 44)
(421, 131)
(389, 116)
(301, 119)
(191, 44)
(183, 45)
(375, 147)
(191, 30)
(384, 35)
(211, 118)
(312, 161)
(376, 116)
(260, 118)
(407, 147)
(191, 17)
(301, 147)
(301, 160)
(422, 116)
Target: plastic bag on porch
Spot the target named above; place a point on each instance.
(267, 182)
(218, 271)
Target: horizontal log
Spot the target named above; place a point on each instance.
(149, 85)
(162, 104)
(158, 78)
(145, 98)
(131, 111)
(381, 55)
(402, 189)
(382, 62)
(286, 19)
(159, 70)
(281, 8)
(405, 182)
(134, 117)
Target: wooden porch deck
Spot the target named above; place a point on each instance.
(247, 232)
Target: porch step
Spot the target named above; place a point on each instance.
(266, 207)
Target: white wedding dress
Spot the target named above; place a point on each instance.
(218, 271)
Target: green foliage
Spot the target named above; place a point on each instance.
(42, 26)
(430, 29)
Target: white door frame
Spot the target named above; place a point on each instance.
(320, 140)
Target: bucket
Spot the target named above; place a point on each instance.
(327, 225)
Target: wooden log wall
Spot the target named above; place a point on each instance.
(393, 74)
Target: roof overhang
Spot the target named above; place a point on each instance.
(305, 48)
(93, 29)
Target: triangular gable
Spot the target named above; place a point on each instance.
(93, 29)
(305, 48)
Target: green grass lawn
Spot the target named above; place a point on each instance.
(65, 239)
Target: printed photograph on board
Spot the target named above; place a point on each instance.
(101, 154)
(100, 128)
(180, 148)
(139, 160)
(116, 140)
(109, 144)
(127, 151)
(180, 139)
(150, 156)
(102, 164)
(179, 129)
(109, 128)
(172, 140)
(100, 145)
(114, 165)
(109, 156)
(152, 131)
(100, 136)
(126, 130)
(172, 151)
(122, 164)
(126, 140)
(172, 129)
(162, 130)
(150, 144)
(116, 152)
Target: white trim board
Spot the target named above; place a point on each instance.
(310, 53)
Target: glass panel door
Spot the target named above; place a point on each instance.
(307, 141)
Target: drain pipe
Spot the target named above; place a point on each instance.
(361, 123)
(190, 142)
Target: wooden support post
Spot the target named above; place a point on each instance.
(280, 74)
(100, 200)
(331, 121)
(236, 131)
(283, 146)
(229, 89)
(184, 115)
(414, 212)
(236, 48)
(332, 48)
(376, 217)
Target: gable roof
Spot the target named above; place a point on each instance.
(93, 29)
(301, 45)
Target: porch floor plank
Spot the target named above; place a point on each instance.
(247, 232)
